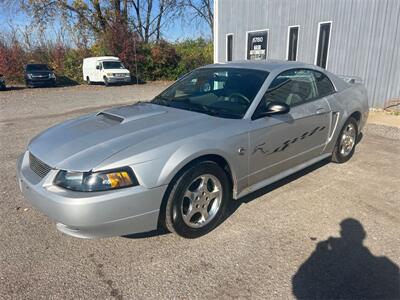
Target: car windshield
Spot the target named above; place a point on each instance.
(222, 92)
(37, 67)
(113, 65)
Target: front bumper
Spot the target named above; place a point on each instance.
(114, 79)
(93, 214)
(41, 82)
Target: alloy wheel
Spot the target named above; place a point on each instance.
(201, 201)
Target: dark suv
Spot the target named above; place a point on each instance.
(39, 75)
(2, 82)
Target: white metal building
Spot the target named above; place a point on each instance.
(348, 37)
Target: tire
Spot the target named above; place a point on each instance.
(88, 80)
(186, 217)
(346, 142)
(106, 83)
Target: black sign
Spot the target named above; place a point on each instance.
(257, 45)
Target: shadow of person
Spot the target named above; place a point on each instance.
(343, 268)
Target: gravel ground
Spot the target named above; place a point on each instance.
(291, 239)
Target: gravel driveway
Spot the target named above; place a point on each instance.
(329, 231)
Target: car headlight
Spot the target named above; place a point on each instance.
(29, 76)
(96, 181)
(110, 74)
(52, 75)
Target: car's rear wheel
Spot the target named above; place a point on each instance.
(197, 200)
(346, 142)
(88, 80)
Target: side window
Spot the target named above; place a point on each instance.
(292, 87)
(324, 85)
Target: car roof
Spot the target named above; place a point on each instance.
(264, 65)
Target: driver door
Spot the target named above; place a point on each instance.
(281, 142)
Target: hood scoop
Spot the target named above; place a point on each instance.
(129, 113)
(110, 117)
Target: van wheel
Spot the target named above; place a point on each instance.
(88, 80)
(106, 83)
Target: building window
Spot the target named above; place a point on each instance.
(229, 47)
(257, 44)
(323, 39)
(293, 38)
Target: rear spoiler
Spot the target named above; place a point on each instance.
(351, 79)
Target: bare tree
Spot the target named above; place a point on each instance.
(146, 17)
(202, 9)
(151, 16)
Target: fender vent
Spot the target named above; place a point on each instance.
(37, 166)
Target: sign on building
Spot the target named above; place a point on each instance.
(257, 43)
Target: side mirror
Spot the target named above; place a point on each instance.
(98, 67)
(275, 108)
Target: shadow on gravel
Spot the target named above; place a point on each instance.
(13, 88)
(160, 231)
(234, 205)
(343, 268)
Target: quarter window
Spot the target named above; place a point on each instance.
(324, 85)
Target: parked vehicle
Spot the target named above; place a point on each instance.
(105, 69)
(2, 82)
(39, 75)
(221, 132)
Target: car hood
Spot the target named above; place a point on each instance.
(82, 144)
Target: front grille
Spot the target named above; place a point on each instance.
(37, 166)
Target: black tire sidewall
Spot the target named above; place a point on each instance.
(337, 156)
(174, 218)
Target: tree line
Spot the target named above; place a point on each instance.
(133, 30)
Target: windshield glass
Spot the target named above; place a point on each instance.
(223, 92)
(113, 65)
(37, 67)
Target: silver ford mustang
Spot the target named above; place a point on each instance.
(219, 133)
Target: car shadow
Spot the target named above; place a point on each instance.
(13, 88)
(343, 268)
(142, 235)
(235, 204)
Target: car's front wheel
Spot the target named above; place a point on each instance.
(197, 200)
(106, 83)
(346, 142)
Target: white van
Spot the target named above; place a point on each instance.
(106, 69)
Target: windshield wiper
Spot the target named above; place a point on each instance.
(161, 100)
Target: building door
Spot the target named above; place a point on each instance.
(323, 39)
(293, 42)
(229, 47)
